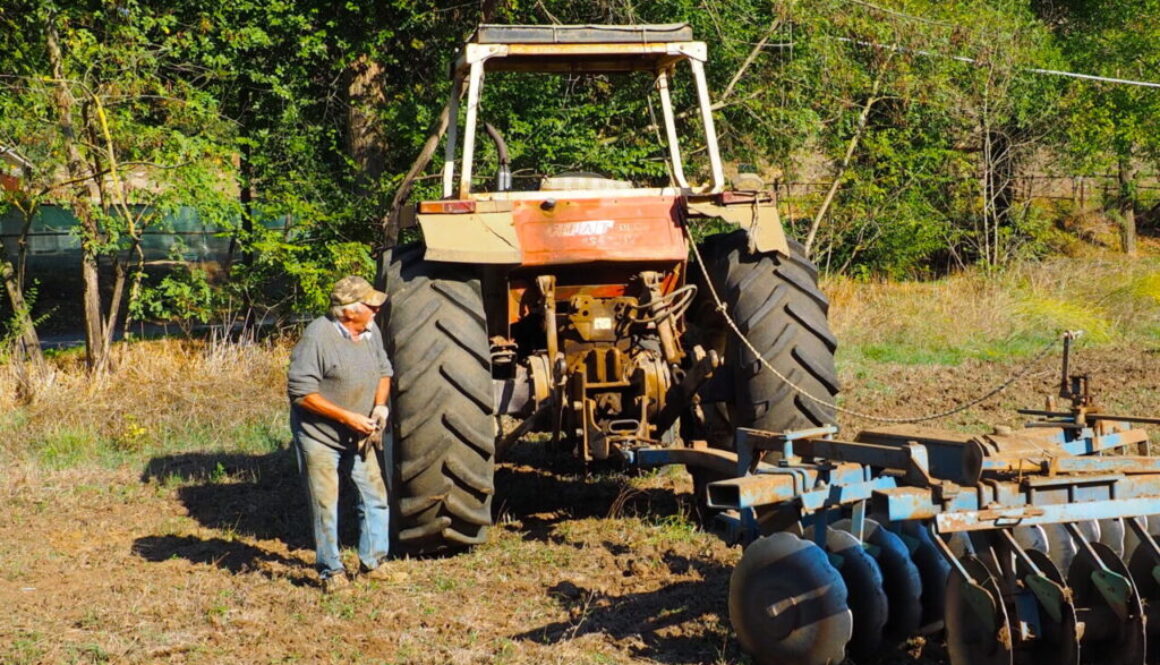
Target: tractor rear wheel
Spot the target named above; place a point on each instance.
(776, 303)
(435, 331)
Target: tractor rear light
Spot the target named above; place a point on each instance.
(455, 207)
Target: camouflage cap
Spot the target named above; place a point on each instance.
(352, 289)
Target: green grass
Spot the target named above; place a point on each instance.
(1007, 315)
(906, 351)
(73, 446)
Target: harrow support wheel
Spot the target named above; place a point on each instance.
(444, 447)
(788, 604)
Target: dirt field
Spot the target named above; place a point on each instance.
(204, 558)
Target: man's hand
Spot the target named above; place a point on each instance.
(359, 423)
(380, 414)
(316, 403)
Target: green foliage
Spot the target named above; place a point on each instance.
(921, 112)
(184, 296)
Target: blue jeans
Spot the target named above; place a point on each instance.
(320, 464)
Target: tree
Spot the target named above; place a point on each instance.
(117, 136)
(1112, 124)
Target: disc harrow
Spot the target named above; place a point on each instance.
(1031, 545)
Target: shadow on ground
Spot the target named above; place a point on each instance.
(536, 491)
(679, 623)
(254, 496)
(230, 555)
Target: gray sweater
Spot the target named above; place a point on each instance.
(344, 371)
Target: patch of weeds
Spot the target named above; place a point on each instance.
(444, 583)
(502, 649)
(75, 353)
(1146, 287)
(910, 354)
(673, 528)
(1014, 346)
(90, 653)
(14, 419)
(131, 436)
(1056, 314)
(404, 653)
(340, 606)
(67, 447)
(1151, 334)
(230, 533)
(90, 621)
(26, 648)
(218, 612)
(266, 437)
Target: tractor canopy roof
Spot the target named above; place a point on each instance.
(590, 49)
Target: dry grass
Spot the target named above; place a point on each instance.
(160, 392)
(154, 516)
(1116, 301)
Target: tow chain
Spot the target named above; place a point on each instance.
(721, 307)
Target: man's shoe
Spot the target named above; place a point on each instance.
(336, 583)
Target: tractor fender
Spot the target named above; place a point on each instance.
(760, 219)
(487, 235)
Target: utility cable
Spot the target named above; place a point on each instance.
(723, 309)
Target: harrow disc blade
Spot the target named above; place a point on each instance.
(1031, 538)
(1108, 638)
(1058, 642)
(1145, 570)
(933, 569)
(1151, 525)
(1112, 535)
(978, 630)
(1061, 548)
(866, 597)
(900, 577)
(788, 604)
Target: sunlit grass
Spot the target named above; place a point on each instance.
(1011, 314)
(165, 396)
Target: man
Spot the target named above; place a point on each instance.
(339, 383)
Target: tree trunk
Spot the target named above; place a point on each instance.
(27, 358)
(80, 198)
(1126, 201)
(28, 342)
(366, 140)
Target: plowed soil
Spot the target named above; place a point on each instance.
(204, 557)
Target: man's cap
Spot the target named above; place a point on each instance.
(352, 289)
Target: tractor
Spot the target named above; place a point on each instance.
(581, 306)
(572, 303)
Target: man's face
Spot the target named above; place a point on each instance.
(362, 315)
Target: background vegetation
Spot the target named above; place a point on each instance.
(909, 138)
